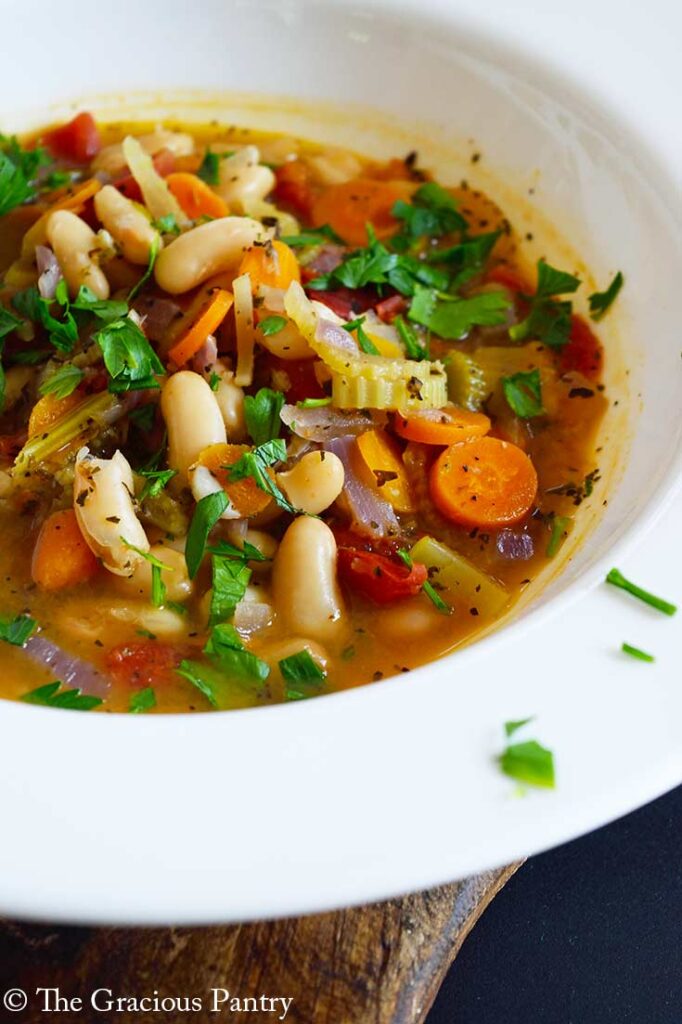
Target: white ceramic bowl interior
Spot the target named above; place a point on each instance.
(550, 156)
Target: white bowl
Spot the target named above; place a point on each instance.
(390, 787)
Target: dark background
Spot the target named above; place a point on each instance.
(590, 933)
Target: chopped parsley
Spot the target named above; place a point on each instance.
(261, 412)
(316, 236)
(52, 696)
(156, 481)
(302, 676)
(560, 525)
(214, 381)
(104, 309)
(549, 320)
(467, 258)
(229, 659)
(130, 360)
(249, 552)
(427, 588)
(16, 631)
(523, 392)
(616, 578)
(635, 652)
(255, 464)
(600, 302)
(528, 762)
(452, 317)
(158, 595)
(18, 169)
(63, 334)
(8, 322)
(272, 325)
(142, 700)
(230, 579)
(209, 171)
(515, 724)
(167, 224)
(367, 346)
(314, 403)
(408, 336)
(153, 253)
(206, 514)
(431, 213)
(63, 382)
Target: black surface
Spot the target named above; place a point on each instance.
(590, 933)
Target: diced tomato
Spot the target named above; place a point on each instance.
(164, 163)
(303, 382)
(78, 140)
(379, 578)
(143, 663)
(293, 187)
(508, 278)
(583, 352)
(346, 302)
(388, 309)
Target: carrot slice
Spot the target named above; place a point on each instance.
(485, 483)
(209, 319)
(196, 198)
(61, 557)
(245, 495)
(348, 207)
(273, 264)
(442, 426)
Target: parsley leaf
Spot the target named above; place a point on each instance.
(153, 253)
(371, 265)
(365, 343)
(554, 282)
(63, 334)
(451, 317)
(18, 168)
(427, 588)
(314, 403)
(468, 258)
(316, 236)
(635, 652)
(413, 348)
(515, 724)
(302, 676)
(206, 514)
(209, 171)
(431, 214)
(529, 762)
(272, 325)
(8, 322)
(616, 578)
(167, 224)
(104, 309)
(548, 320)
(142, 700)
(17, 631)
(230, 579)
(262, 415)
(248, 553)
(601, 301)
(129, 358)
(214, 381)
(63, 382)
(523, 392)
(52, 696)
(560, 528)
(255, 464)
(156, 481)
(226, 647)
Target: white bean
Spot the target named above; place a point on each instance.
(230, 399)
(266, 544)
(242, 180)
(103, 503)
(193, 419)
(74, 244)
(175, 578)
(334, 166)
(304, 585)
(111, 159)
(314, 483)
(206, 250)
(128, 225)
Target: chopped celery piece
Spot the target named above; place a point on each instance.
(84, 419)
(421, 390)
(458, 581)
(467, 385)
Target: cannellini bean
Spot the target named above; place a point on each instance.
(407, 619)
(288, 343)
(177, 582)
(103, 502)
(314, 483)
(243, 180)
(193, 419)
(74, 244)
(110, 159)
(206, 250)
(304, 585)
(127, 224)
(159, 621)
(266, 544)
(230, 399)
(334, 166)
(281, 649)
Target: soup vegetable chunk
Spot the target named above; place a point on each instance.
(276, 420)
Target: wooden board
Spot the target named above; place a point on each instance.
(380, 964)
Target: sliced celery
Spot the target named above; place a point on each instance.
(467, 385)
(458, 581)
(421, 390)
(85, 419)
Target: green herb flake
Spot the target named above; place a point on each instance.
(427, 588)
(209, 170)
(451, 317)
(431, 213)
(529, 762)
(316, 236)
(249, 553)
(255, 464)
(104, 309)
(367, 346)
(302, 676)
(635, 652)
(142, 700)
(230, 580)
(18, 169)
(52, 696)
(262, 414)
(560, 526)
(156, 481)
(206, 514)
(63, 334)
(408, 336)
(227, 650)
(154, 249)
(515, 724)
(314, 403)
(17, 631)
(167, 224)
(600, 302)
(616, 579)
(272, 325)
(158, 587)
(214, 381)
(523, 392)
(549, 320)
(130, 360)
(63, 381)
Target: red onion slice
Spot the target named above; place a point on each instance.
(70, 670)
(205, 359)
(371, 515)
(157, 315)
(516, 547)
(49, 270)
(334, 335)
(325, 423)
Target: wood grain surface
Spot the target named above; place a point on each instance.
(379, 964)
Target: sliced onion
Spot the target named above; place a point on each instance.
(157, 315)
(331, 333)
(158, 198)
(371, 515)
(71, 671)
(517, 547)
(326, 258)
(273, 298)
(49, 270)
(325, 423)
(205, 359)
(246, 332)
(250, 616)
